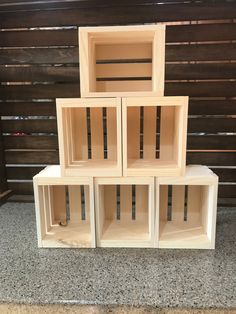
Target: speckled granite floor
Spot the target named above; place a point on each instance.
(7, 308)
(137, 277)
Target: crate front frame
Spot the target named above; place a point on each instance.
(125, 232)
(51, 206)
(173, 129)
(70, 124)
(92, 37)
(196, 230)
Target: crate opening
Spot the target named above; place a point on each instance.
(183, 215)
(153, 136)
(124, 212)
(121, 63)
(92, 137)
(66, 213)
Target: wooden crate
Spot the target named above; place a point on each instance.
(124, 212)
(89, 132)
(186, 209)
(154, 135)
(64, 210)
(122, 60)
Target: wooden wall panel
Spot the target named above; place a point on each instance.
(212, 158)
(40, 74)
(16, 5)
(69, 37)
(174, 53)
(28, 92)
(29, 126)
(28, 108)
(32, 156)
(122, 14)
(30, 142)
(38, 65)
(212, 107)
(201, 89)
(22, 172)
(49, 55)
(32, 38)
(71, 73)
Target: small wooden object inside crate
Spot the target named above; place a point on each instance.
(64, 210)
(89, 132)
(124, 212)
(122, 61)
(154, 135)
(186, 209)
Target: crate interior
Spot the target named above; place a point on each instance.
(66, 215)
(92, 137)
(123, 211)
(183, 215)
(153, 136)
(121, 62)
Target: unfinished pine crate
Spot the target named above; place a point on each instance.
(124, 212)
(64, 210)
(89, 132)
(186, 209)
(122, 60)
(154, 135)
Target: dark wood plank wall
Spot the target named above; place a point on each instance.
(39, 62)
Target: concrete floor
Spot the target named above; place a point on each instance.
(77, 309)
(151, 280)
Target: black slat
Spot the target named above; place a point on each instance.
(119, 15)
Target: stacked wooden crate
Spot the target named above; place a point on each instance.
(123, 154)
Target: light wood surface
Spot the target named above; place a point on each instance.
(130, 230)
(79, 143)
(75, 203)
(178, 202)
(149, 132)
(197, 229)
(78, 157)
(102, 48)
(112, 133)
(97, 141)
(167, 126)
(54, 227)
(172, 138)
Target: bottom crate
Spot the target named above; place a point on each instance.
(124, 212)
(186, 209)
(64, 210)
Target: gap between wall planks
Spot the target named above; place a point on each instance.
(216, 50)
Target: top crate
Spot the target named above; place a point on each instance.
(122, 61)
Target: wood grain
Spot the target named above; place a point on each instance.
(31, 156)
(39, 74)
(29, 108)
(119, 15)
(41, 38)
(30, 126)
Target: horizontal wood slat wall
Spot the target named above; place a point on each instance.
(38, 64)
(119, 14)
